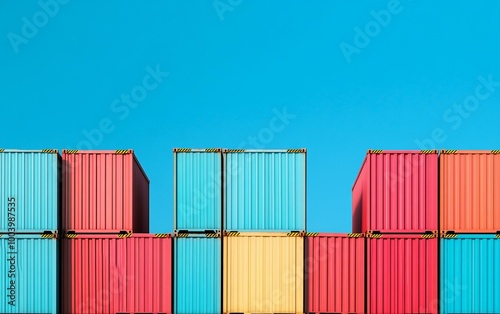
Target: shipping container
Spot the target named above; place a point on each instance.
(117, 274)
(402, 274)
(470, 274)
(29, 273)
(197, 275)
(104, 192)
(29, 191)
(263, 272)
(197, 189)
(470, 191)
(335, 273)
(396, 192)
(265, 190)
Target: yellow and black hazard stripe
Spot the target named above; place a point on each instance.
(428, 151)
(211, 235)
(122, 151)
(354, 235)
(71, 235)
(449, 151)
(49, 151)
(495, 151)
(428, 236)
(375, 236)
(182, 235)
(162, 235)
(497, 236)
(294, 234)
(2, 150)
(450, 236)
(212, 150)
(312, 234)
(183, 150)
(376, 151)
(235, 150)
(232, 234)
(70, 151)
(124, 235)
(48, 236)
(295, 151)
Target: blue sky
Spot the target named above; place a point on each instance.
(335, 77)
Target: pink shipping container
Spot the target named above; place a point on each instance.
(396, 192)
(117, 274)
(335, 273)
(104, 192)
(402, 274)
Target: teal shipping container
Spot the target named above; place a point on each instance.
(197, 189)
(29, 191)
(29, 274)
(470, 274)
(265, 190)
(198, 275)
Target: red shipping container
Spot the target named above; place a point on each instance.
(396, 192)
(104, 192)
(116, 274)
(335, 273)
(470, 191)
(402, 274)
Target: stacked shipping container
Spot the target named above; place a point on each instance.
(198, 225)
(470, 231)
(104, 192)
(29, 192)
(106, 268)
(395, 202)
(264, 223)
(334, 273)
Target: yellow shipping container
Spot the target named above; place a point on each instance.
(263, 273)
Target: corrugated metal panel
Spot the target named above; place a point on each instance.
(197, 275)
(263, 273)
(107, 274)
(470, 274)
(397, 192)
(335, 273)
(402, 274)
(265, 190)
(470, 185)
(148, 264)
(29, 190)
(197, 189)
(104, 191)
(34, 270)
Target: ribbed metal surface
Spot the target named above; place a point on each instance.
(104, 191)
(198, 191)
(396, 192)
(402, 275)
(265, 191)
(35, 272)
(107, 274)
(29, 188)
(197, 275)
(93, 275)
(148, 265)
(470, 197)
(263, 273)
(335, 274)
(470, 274)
